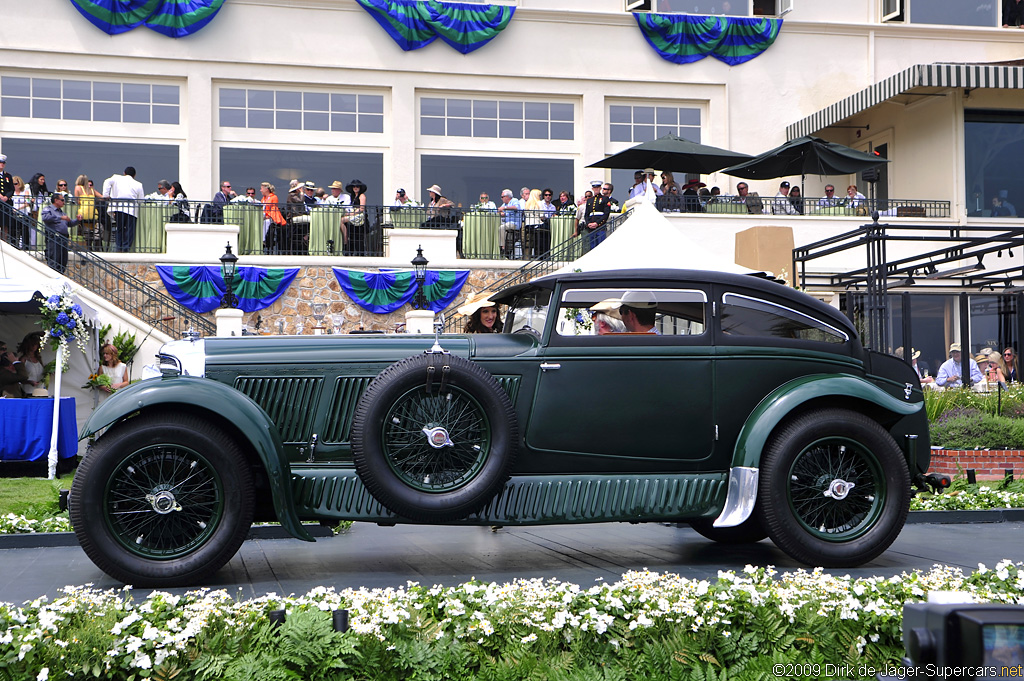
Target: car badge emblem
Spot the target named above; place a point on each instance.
(908, 389)
(437, 437)
(839, 489)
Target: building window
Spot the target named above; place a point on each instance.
(463, 178)
(725, 7)
(68, 158)
(250, 167)
(636, 123)
(455, 117)
(84, 100)
(994, 162)
(298, 110)
(942, 12)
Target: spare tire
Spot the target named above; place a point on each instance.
(434, 437)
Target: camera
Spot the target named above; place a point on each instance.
(963, 640)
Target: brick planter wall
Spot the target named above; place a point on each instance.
(988, 464)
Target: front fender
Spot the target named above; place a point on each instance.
(222, 403)
(784, 399)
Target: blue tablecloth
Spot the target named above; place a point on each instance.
(25, 427)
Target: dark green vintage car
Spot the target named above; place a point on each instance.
(749, 410)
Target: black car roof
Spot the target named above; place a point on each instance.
(756, 282)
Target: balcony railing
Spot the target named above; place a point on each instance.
(135, 296)
(807, 206)
(483, 234)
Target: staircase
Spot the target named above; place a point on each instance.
(547, 263)
(90, 270)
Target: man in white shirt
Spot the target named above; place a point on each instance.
(830, 200)
(162, 187)
(123, 192)
(782, 205)
(337, 197)
(950, 370)
(403, 200)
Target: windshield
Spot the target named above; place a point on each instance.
(528, 312)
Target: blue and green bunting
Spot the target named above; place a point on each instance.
(172, 18)
(417, 23)
(201, 287)
(686, 38)
(388, 290)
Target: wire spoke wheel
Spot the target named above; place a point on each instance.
(436, 442)
(434, 437)
(836, 489)
(833, 489)
(163, 501)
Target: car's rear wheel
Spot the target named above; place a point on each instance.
(434, 437)
(749, 531)
(162, 500)
(834, 487)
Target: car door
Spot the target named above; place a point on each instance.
(629, 401)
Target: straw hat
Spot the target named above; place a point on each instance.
(608, 306)
(914, 354)
(336, 185)
(434, 188)
(294, 185)
(476, 302)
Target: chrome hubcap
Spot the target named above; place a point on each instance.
(838, 489)
(163, 502)
(437, 437)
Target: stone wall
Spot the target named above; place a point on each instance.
(318, 285)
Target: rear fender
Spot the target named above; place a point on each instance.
(221, 403)
(786, 398)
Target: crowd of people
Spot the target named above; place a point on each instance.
(987, 368)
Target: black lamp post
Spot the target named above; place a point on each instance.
(228, 269)
(420, 263)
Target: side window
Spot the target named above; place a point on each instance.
(599, 312)
(745, 316)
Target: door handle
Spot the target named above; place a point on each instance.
(545, 366)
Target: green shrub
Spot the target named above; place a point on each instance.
(972, 430)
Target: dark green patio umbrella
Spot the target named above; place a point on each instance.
(805, 156)
(672, 152)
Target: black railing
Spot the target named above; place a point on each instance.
(809, 206)
(105, 279)
(547, 263)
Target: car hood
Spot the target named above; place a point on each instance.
(289, 350)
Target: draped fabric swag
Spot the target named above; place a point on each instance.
(172, 18)
(388, 290)
(417, 23)
(201, 287)
(686, 38)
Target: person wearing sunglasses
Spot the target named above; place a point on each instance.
(1010, 364)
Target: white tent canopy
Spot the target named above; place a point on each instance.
(19, 316)
(648, 240)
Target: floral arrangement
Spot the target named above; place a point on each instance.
(11, 523)
(63, 320)
(983, 498)
(645, 625)
(98, 381)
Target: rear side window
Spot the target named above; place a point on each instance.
(746, 316)
(593, 312)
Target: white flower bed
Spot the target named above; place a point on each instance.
(47, 638)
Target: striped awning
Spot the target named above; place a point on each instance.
(1005, 76)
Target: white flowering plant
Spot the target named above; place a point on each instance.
(64, 320)
(645, 625)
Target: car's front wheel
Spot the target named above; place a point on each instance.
(162, 500)
(834, 488)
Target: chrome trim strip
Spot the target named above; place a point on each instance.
(739, 500)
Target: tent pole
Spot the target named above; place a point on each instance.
(52, 457)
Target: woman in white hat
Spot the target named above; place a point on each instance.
(483, 316)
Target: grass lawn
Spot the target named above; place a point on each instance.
(34, 498)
